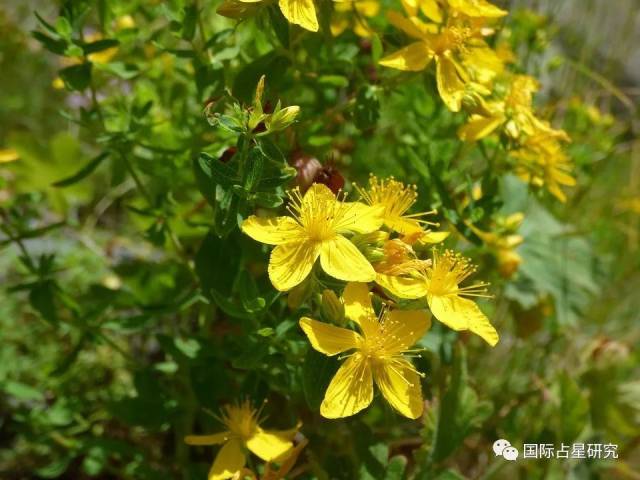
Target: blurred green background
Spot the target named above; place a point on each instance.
(109, 352)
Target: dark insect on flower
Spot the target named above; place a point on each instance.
(330, 176)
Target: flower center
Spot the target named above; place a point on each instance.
(318, 215)
(447, 271)
(240, 419)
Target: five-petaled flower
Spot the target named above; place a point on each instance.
(376, 355)
(439, 282)
(458, 48)
(316, 228)
(243, 433)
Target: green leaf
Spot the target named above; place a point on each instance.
(77, 77)
(367, 109)
(63, 27)
(268, 200)
(83, 172)
(42, 297)
(189, 22)
(574, 409)
(220, 173)
(317, 372)
(99, 45)
(396, 468)
(216, 263)
(280, 25)
(57, 46)
(249, 295)
(56, 468)
(460, 410)
(254, 166)
(22, 391)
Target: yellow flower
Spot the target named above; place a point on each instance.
(316, 229)
(8, 155)
(460, 53)
(395, 199)
(514, 113)
(439, 283)
(543, 162)
(243, 432)
(503, 241)
(376, 355)
(353, 15)
(299, 12)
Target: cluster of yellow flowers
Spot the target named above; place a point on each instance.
(472, 76)
(371, 241)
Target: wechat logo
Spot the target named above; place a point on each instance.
(502, 448)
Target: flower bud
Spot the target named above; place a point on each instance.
(281, 118)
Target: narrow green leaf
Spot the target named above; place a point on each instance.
(84, 172)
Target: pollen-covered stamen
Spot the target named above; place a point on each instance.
(396, 197)
(447, 271)
(397, 365)
(452, 38)
(389, 339)
(318, 215)
(241, 419)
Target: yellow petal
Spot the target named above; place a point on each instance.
(431, 10)
(300, 12)
(286, 463)
(291, 263)
(400, 386)
(8, 155)
(483, 62)
(272, 231)
(450, 84)
(402, 287)
(228, 462)
(433, 237)
(477, 8)
(462, 314)
(357, 306)
(405, 328)
(329, 339)
(479, 127)
(413, 58)
(404, 226)
(215, 439)
(338, 25)
(368, 8)
(405, 24)
(350, 390)
(318, 193)
(357, 302)
(359, 218)
(269, 445)
(342, 260)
